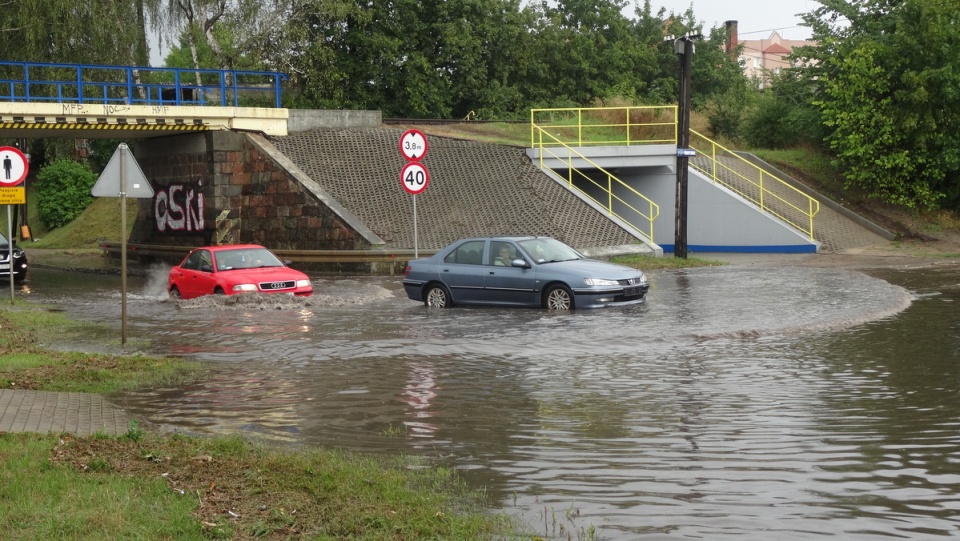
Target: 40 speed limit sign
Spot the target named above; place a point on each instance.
(414, 178)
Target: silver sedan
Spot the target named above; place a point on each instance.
(520, 271)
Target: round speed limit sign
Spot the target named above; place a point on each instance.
(414, 177)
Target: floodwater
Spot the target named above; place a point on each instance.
(739, 402)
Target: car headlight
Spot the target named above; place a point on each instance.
(600, 282)
(245, 287)
(303, 283)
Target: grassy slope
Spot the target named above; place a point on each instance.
(101, 220)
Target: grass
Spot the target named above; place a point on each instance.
(101, 220)
(146, 486)
(25, 365)
(649, 263)
(501, 133)
(807, 164)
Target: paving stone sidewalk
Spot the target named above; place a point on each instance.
(82, 414)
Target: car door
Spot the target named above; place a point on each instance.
(507, 284)
(462, 272)
(196, 275)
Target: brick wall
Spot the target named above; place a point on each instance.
(222, 188)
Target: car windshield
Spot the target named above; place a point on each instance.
(546, 250)
(246, 258)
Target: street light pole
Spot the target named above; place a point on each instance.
(684, 47)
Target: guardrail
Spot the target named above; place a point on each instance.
(31, 82)
(549, 146)
(614, 126)
(297, 256)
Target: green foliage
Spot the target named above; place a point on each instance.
(495, 58)
(489, 59)
(784, 115)
(66, 31)
(890, 96)
(63, 192)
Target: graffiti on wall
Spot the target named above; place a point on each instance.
(179, 207)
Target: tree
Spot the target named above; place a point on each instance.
(66, 31)
(221, 34)
(890, 83)
(784, 115)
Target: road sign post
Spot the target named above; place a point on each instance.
(121, 174)
(414, 176)
(13, 170)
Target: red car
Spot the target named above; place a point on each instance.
(232, 269)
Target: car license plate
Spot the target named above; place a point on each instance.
(631, 291)
(4, 266)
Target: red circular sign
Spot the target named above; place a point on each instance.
(414, 177)
(413, 145)
(13, 167)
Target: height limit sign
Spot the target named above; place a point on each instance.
(414, 176)
(413, 145)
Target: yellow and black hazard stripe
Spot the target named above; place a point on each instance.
(102, 123)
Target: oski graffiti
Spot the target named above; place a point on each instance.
(179, 208)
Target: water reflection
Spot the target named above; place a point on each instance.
(419, 393)
(753, 403)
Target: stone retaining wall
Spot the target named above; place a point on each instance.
(222, 188)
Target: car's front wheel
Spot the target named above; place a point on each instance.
(558, 297)
(437, 296)
(174, 293)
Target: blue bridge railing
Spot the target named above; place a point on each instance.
(115, 85)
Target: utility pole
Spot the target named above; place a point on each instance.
(684, 47)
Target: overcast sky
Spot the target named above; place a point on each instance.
(756, 19)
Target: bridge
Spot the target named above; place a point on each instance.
(43, 100)
(322, 186)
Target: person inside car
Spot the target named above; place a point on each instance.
(504, 257)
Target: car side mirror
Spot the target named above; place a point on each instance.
(520, 263)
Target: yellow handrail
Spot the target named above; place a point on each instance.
(551, 147)
(618, 126)
(768, 192)
(614, 126)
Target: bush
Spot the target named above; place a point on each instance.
(776, 123)
(63, 192)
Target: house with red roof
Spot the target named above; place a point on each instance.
(762, 58)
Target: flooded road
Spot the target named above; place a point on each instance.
(739, 402)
